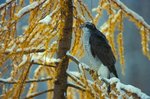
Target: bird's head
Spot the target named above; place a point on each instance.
(88, 26)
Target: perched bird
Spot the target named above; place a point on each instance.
(98, 50)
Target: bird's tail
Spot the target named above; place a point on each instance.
(114, 71)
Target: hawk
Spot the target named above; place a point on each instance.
(98, 50)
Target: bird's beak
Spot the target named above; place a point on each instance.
(82, 26)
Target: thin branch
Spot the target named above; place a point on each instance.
(24, 78)
(45, 64)
(27, 81)
(76, 87)
(29, 9)
(5, 4)
(26, 51)
(73, 58)
(76, 80)
(38, 93)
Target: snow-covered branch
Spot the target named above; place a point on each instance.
(28, 8)
(6, 81)
(25, 51)
(130, 13)
(3, 5)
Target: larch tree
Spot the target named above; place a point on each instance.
(51, 39)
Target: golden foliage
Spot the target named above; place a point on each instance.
(37, 42)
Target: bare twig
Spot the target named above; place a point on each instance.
(76, 80)
(38, 93)
(24, 78)
(27, 81)
(76, 87)
(45, 64)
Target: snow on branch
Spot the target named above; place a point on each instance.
(48, 18)
(131, 13)
(28, 8)
(118, 89)
(127, 88)
(7, 81)
(25, 50)
(73, 58)
(3, 5)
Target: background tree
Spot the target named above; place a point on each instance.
(40, 52)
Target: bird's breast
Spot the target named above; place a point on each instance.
(93, 62)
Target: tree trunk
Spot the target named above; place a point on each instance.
(60, 86)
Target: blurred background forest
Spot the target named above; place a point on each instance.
(137, 65)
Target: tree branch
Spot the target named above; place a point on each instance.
(73, 58)
(38, 93)
(25, 51)
(76, 80)
(5, 4)
(27, 81)
(76, 87)
(45, 64)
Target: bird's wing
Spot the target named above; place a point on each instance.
(101, 49)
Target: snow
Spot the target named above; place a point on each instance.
(74, 73)
(84, 66)
(138, 17)
(68, 54)
(8, 1)
(24, 60)
(46, 20)
(27, 8)
(42, 57)
(6, 80)
(46, 3)
(11, 48)
(4, 4)
(132, 89)
(129, 88)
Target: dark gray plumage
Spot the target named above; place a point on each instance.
(100, 47)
